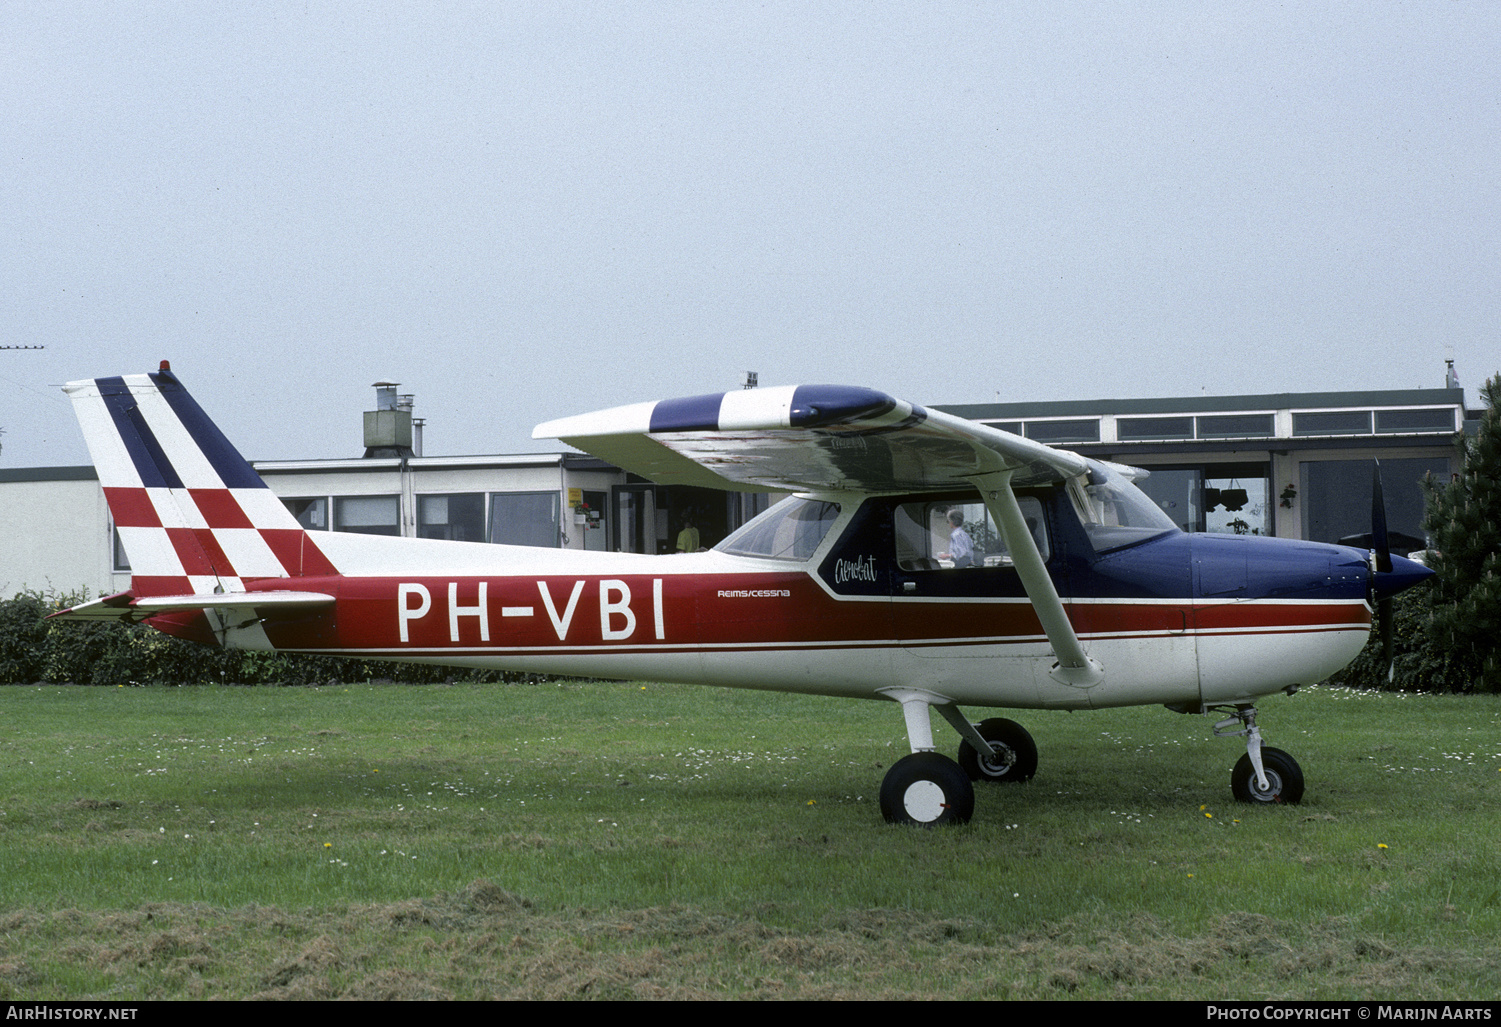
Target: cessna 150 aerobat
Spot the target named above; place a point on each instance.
(923, 559)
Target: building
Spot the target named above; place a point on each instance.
(55, 532)
(1294, 465)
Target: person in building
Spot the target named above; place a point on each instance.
(688, 539)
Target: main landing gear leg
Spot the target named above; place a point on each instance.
(1263, 774)
(996, 750)
(925, 788)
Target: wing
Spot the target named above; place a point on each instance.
(833, 438)
(807, 438)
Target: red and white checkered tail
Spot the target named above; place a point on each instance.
(193, 515)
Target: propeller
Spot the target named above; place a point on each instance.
(1381, 559)
(1379, 544)
(1389, 575)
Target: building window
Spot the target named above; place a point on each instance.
(1014, 427)
(1336, 496)
(459, 518)
(1153, 429)
(121, 561)
(1228, 499)
(1332, 422)
(1175, 490)
(1237, 501)
(1235, 426)
(368, 515)
(636, 524)
(1064, 431)
(525, 519)
(310, 513)
(1425, 419)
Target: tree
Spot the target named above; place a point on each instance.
(1464, 527)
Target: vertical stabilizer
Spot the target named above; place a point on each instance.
(192, 513)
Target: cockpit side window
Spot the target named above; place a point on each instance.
(791, 530)
(955, 535)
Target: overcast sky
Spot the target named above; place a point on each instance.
(526, 210)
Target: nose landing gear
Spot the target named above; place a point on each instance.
(1263, 774)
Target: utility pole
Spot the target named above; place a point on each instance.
(2, 430)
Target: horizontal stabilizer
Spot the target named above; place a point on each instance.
(125, 607)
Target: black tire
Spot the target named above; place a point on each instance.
(927, 789)
(1015, 757)
(1283, 776)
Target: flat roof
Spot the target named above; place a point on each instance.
(972, 411)
(1206, 404)
(48, 474)
(570, 461)
(1263, 445)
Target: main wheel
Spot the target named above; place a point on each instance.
(926, 789)
(1013, 757)
(1284, 778)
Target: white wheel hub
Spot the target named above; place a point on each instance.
(924, 801)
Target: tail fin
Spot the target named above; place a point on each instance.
(194, 516)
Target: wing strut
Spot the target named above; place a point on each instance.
(1074, 667)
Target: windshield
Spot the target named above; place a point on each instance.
(1114, 511)
(790, 530)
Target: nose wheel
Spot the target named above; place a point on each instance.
(1284, 778)
(1263, 774)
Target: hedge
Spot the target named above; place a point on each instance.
(36, 651)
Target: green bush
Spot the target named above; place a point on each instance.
(23, 638)
(1421, 662)
(1447, 632)
(36, 651)
(1463, 522)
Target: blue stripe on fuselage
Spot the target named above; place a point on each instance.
(1252, 567)
(1212, 566)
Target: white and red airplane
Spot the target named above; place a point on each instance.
(923, 559)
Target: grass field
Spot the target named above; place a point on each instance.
(615, 841)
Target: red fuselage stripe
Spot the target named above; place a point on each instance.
(724, 613)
